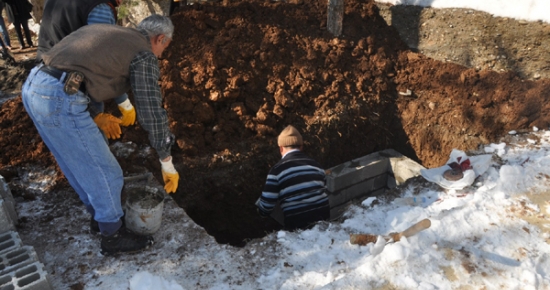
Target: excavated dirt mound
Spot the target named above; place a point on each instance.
(237, 73)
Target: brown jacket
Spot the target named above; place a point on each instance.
(103, 53)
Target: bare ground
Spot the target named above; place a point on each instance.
(474, 39)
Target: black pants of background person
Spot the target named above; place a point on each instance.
(173, 5)
(17, 23)
(305, 220)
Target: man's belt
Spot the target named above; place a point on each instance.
(73, 81)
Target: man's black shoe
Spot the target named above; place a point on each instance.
(124, 241)
(94, 226)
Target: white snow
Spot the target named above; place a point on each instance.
(493, 235)
(529, 10)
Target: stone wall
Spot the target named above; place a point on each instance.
(131, 12)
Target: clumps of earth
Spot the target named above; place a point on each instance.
(238, 72)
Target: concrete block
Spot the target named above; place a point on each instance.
(10, 241)
(360, 190)
(8, 206)
(5, 191)
(356, 171)
(16, 259)
(337, 211)
(379, 182)
(355, 191)
(29, 277)
(391, 182)
(370, 175)
(378, 192)
(6, 217)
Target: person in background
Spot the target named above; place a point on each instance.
(60, 18)
(297, 183)
(3, 28)
(19, 13)
(109, 60)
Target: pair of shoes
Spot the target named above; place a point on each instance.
(124, 241)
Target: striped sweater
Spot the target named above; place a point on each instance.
(297, 182)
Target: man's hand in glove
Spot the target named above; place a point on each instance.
(128, 113)
(109, 124)
(170, 175)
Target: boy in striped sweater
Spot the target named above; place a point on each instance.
(297, 182)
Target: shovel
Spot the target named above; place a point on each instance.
(364, 239)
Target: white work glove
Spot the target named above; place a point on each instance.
(170, 176)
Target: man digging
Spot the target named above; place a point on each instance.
(100, 62)
(297, 183)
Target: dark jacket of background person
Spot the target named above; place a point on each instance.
(21, 10)
(300, 184)
(61, 17)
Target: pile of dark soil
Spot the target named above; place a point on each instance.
(238, 72)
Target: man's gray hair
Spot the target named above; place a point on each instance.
(156, 24)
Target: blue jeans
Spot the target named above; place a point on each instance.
(78, 145)
(4, 31)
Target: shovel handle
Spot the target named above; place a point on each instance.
(416, 228)
(148, 176)
(363, 239)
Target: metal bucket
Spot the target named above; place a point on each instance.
(144, 206)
